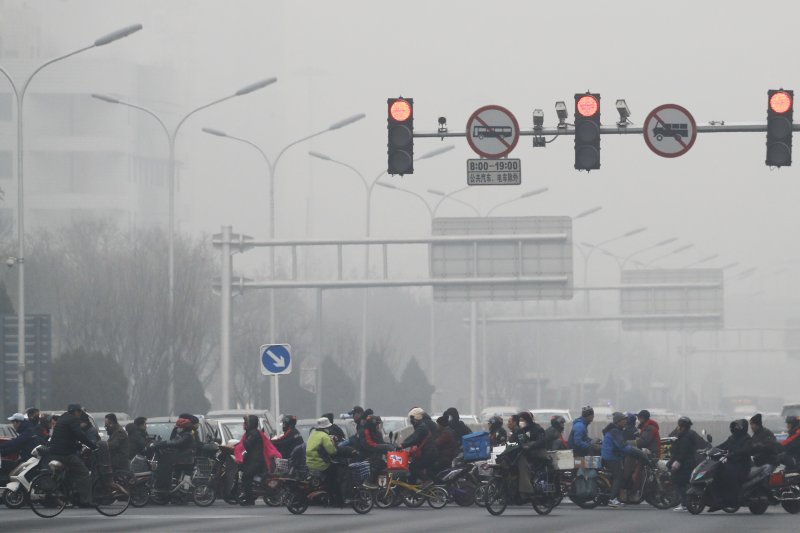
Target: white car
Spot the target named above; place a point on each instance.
(543, 416)
(499, 410)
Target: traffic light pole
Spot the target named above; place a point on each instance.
(617, 130)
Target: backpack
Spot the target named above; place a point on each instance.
(586, 483)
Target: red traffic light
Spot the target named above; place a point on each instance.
(780, 102)
(587, 106)
(400, 110)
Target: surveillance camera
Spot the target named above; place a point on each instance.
(10, 262)
(442, 121)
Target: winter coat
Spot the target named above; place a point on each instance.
(792, 444)
(424, 436)
(614, 447)
(118, 450)
(455, 423)
(288, 442)
(649, 437)
(373, 443)
(314, 459)
(579, 439)
(68, 436)
(447, 447)
(739, 449)
(251, 441)
(24, 443)
(683, 451)
(765, 447)
(554, 439)
(137, 440)
(182, 445)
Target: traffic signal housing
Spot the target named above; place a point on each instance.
(587, 131)
(400, 129)
(780, 108)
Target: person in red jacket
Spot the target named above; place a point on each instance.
(446, 444)
(649, 436)
(790, 447)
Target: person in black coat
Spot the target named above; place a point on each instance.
(455, 423)
(137, 436)
(683, 458)
(424, 439)
(253, 458)
(764, 444)
(554, 435)
(290, 439)
(497, 433)
(731, 475)
(179, 450)
(65, 445)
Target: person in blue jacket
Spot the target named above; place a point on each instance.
(579, 441)
(614, 450)
(26, 439)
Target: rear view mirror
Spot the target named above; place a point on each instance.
(391, 436)
(709, 439)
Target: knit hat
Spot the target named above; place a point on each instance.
(644, 413)
(756, 419)
(617, 416)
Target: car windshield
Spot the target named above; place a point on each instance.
(160, 429)
(236, 429)
(393, 425)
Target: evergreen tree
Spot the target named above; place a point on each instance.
(91, 378)
(416, 385)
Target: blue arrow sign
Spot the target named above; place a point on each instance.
(276, 359)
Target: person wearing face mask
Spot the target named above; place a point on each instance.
(732, 474)
(117, 444)
(531, 438)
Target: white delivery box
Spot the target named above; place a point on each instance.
(562, 459)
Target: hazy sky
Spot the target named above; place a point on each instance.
(334, 59)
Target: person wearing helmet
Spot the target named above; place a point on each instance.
(790, 447)
(554, 435)
(764, 444)
(497, 433)
(423, 445)
(733, 473)
(614, 451)
(177, 451)
(579, 440)
(290, 439)
(682, 460)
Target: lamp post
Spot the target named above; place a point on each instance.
(20, 259)
(171, 137)
(588, 255)
(368, 188)
(271, 168)
(520, 197)
(702, 260)
(450, 195)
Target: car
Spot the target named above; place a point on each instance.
(394, 425)
(161, 427)
(543, 416)
(7, 432)
(499, 410)
(265, 419)
(122, 419)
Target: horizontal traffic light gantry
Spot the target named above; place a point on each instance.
(587, 131)
(780, 110)
(400, 129)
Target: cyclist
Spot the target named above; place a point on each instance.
(182, 445)
(290, 439)
(497, 433)
(65, 445)
(423, 440)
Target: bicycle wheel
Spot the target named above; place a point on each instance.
(363, 501)
(544, 504)
(496, 499)
(46, 497)
(296, 502)
(464, 494)
(203, 495)
(110, 498)
(385, 498)
(413, 499)
(436, 497)
(140, 495)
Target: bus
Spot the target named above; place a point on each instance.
(671, 130)
(482, 132)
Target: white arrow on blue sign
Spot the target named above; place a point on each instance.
(276, 359)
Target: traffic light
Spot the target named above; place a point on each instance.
(587, 131)
(400, 126)
(779, 127)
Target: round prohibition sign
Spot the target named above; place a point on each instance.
(492, 131)
(670, 130)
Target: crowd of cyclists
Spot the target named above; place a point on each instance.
(432, 446)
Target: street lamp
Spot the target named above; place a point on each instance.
(587, 212)
(171, 137)
(445, 196)
(646, 249)
(368, 187)
(20, 259)
(676, 251)
(271, 167)
(520, 197)
(703, 260)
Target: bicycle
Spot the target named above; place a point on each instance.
(393, 491)
(51, 490)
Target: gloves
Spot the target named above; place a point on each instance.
(675, 466)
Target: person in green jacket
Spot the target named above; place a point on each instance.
(319, 451)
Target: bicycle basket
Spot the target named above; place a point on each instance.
(281, 467)
(203, 468)
(359, 472)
